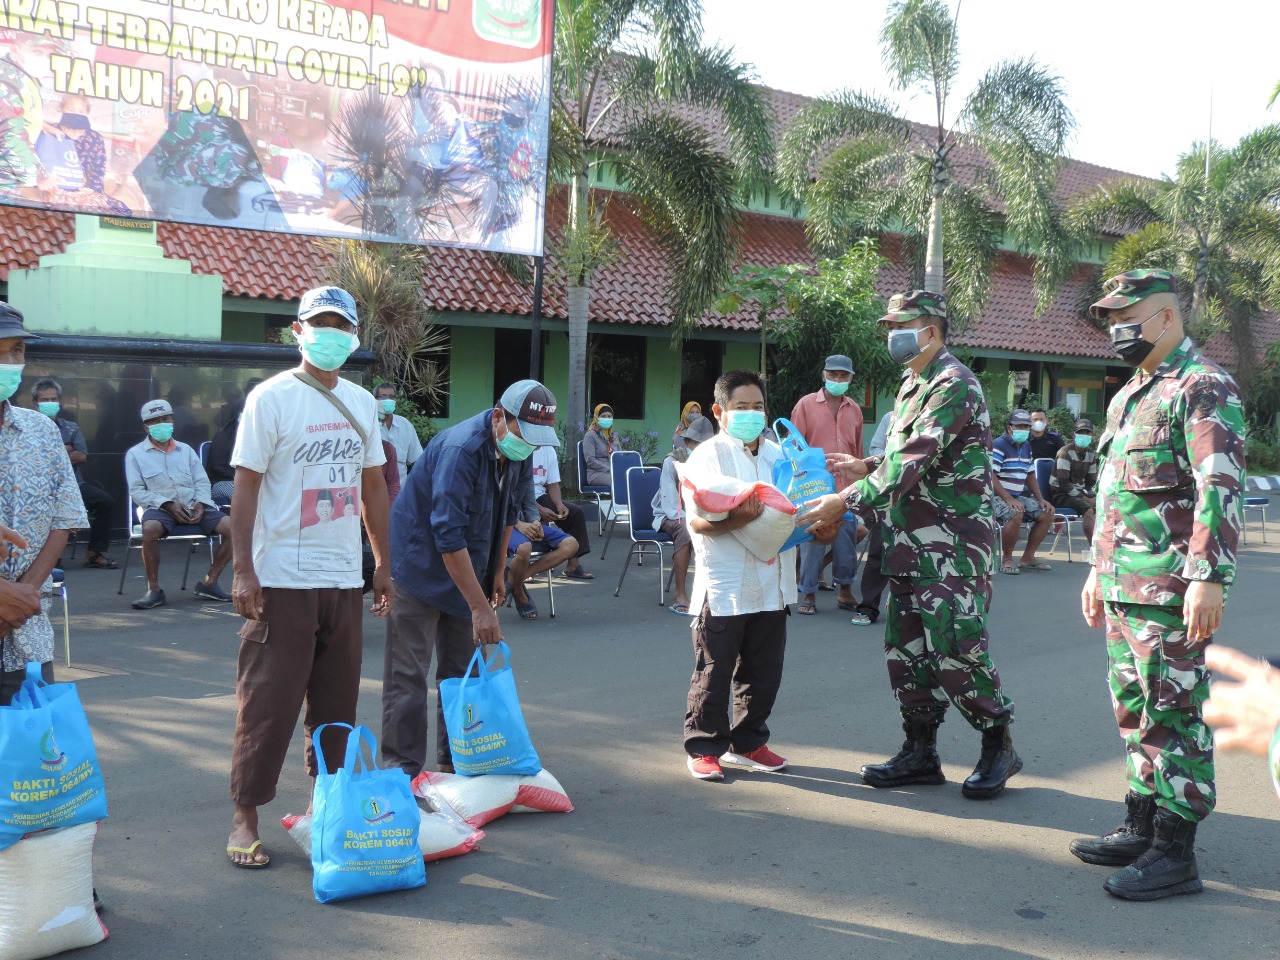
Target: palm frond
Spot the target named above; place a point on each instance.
(673, 29)
(686, 191)
(971, 233)
(821, 124)
(848, 198)
(1113, 208)
(920, 46)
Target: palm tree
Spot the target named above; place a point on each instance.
(950, 191)
(1219, 233)
(623, 69)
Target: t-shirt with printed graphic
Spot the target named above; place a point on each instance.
(307, 531)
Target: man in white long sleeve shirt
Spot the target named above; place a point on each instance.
(740, 631)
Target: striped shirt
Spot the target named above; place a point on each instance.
(1011, 462)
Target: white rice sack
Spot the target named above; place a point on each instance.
(764, 536)
(478, 800)
(46, 894)
(440, 835)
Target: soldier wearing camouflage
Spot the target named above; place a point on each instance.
(1170, 492)
(934, 484)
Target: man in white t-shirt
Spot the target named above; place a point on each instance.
(396, 430)
(304, 458)
(552, 508)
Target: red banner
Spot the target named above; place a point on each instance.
(420, 121)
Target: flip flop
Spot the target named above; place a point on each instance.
(101, 562)
(251, 851)
(847, 604)
(579, 574)
(806, 609)
(1037, 566)
(1009, 568)
(526, 609)
(861, 618)
(680, 609)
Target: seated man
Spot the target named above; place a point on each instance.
(47, 396)
(1075, 476)
(167, 483)
(552, 508)
(668, 512)
(558, 548)
(1017, 495)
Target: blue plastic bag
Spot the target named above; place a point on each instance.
(801, 474)
(49, 774)
(364, 825)
(487, 732)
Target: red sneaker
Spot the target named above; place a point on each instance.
(705, 768)
(761, 758)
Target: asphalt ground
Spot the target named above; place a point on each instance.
(809, 863)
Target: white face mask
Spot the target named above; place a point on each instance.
(1037, 426)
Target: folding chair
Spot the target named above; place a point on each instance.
(641, 485)
(595, 490)
(183, 531)
(60, 590)
(619, 463)
(1063, 517)
(1257, 504)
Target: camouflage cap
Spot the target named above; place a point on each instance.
(1126, 289)
(917, 303)
(1084, 426)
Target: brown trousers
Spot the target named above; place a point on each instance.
(305, 649)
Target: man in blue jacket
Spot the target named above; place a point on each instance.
(449, 531)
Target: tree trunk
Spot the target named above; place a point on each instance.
(1200, 290)
(934, 279)
(579, 300)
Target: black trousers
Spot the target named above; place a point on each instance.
(11, 681)
(100, 506)
(575, 524)
(739, 656)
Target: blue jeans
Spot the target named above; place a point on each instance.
(844, 559)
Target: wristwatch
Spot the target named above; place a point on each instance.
(852, 498)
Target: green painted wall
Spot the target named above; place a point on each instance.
(244, 327)
(117, 282)
(470, 373)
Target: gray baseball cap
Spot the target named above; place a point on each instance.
(699, 430)
(838, 361)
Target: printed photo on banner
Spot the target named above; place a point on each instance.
(420, 121)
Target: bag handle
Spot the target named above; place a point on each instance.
(484, 666)
(31, 694)
(361, 734)
(332, 397)
(794, 436)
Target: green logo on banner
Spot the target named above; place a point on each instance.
(516, 23)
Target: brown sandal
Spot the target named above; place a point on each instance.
(100, 561)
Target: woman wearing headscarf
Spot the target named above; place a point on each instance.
(599, 444)
(692, 411)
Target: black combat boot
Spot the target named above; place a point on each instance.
(1167, 869)
(997, 764)
(916, 762)
(1127, 842)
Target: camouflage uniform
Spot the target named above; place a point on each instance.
(934, 482)
(1169, 510)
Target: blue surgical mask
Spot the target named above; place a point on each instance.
(160, 432)
(325, 347)
(605, 422)
(1083, 440)
(515, 448)
(10, 377)
(745, 425)
(388, 407)
(1020, 436)
(50, 408)
(836, 389)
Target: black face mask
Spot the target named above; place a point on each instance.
(1127, 340)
